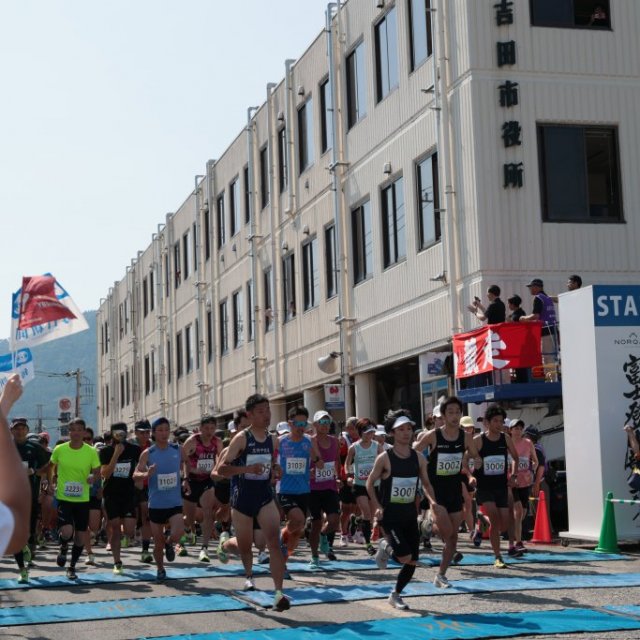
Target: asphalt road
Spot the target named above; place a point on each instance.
(319, 614)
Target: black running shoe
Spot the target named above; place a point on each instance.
(169, 552)
(71, 573)
(61, 560)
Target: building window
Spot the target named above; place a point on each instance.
(167, 278)
(579, 173)
(209, 335)
(224, 328)
(268, 299)
(169, 356)
(310, 277)
(188, 348)
(128, 386)
(196, 344)
(185, 255)
(179, 365)
(305, 135)
(176, 265)
(428, 201)
(122, 396)
(264, 177)
(586, 14)
(194, 246)
(145, 297)
(154, 374)
(207, 234)
(289, 287)
(394, 228)
(386, 34)
(220, 220)
(247, 195)
(331, 260)
(420, 31)
(238, 325)
(234, 206)
(152, 291)
(250, 311)
(282, 159)
(147, 376)
(326, 116)
(106, 399)
(356, 86)
(362, 242)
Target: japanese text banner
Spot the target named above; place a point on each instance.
(508, 345)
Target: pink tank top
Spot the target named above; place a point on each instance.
(325, 479)
(202, 459)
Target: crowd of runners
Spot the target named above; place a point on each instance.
(253, 492)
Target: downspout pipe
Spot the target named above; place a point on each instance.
(212, 302)
(200, 284)
(288, 91)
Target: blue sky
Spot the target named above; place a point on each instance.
(109, 110)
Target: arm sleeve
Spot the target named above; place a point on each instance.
(7, 524)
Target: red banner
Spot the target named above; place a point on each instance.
(508, 345)
(39, 304)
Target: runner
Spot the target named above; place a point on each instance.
(142, 432)
(399, 470)
(492, 493)
(35, 460)
(161, 464)
(75, 466)
(200, 452)
(249, 462)
(118, 465)
(362, 456)
(447, 445)
(345, 492)
(324, 491)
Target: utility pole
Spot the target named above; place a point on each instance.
(39, 418)
(77, 375)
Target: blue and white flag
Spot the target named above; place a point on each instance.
(20, 362)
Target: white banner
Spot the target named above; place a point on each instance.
(23, 362)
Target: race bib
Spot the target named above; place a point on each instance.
(167, 481)
(364, 470)
(494, 465)
(449, 464)
(259, 458)
(122, 470)
(205, 465)
(523, 463)
(73, 490)
(296, 466)
(328, 473)
(403, 490)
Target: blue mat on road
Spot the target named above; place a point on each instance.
(110, 610)
(235, 569)
(461, 627)
(350, 593)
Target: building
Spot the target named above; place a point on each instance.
(417, 152)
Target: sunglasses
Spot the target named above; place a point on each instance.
(324, 421)
(298, 423)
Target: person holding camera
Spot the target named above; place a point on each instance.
(495, 312)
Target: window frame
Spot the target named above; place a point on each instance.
(306, 146)
(331, 270)
(574, 25)
(234, 207)
(289, 312)
(223, 322)
(362, 268)
(435, 182)
(355, 111)
(221, 222)
(392, 245)
(326, 115)
(385, 40)
(310, 283)
(414, 62)
(237, 309)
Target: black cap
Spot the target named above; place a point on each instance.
(536, 282)
(18, 421)
(532, 431)
(142, 425)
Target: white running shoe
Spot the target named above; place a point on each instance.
(441, 582)
(249, 585)
(263, 557)
(382, 554)
(396, 601)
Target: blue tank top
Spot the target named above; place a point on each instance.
(548, 315)
(295, 460)
(255, 452)
(164, 484)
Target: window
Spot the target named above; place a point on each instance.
(145, 297)
(176, 265)
(305, 135)
(250, 311)
(362, 242)
(122, 396)
(167, 273)
(386, 34)
(194, 243)
(154, 375)
(147, 376)
(326, 116)
(310, 277)
(282, 159)
(428, 201)
(238, 311)
(224, 329)
(234, 206)
(289, 287)
(188, 348)
(128, 386)
(264, 177)
(268, 299)
(420, 31)
(247, 195)
(220, 221)
(152, 291)
(394, 228)
(209, 335)
(331, 260)
(179, 367)
(356, 86)
(571, 13)
(196, 345)
(169, 356)
(207, 234)
(185, 255)
(579, 173)
(106, 399)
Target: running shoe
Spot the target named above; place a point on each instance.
(125, 542)
(358, 537)
(24, 576)
(520, 545)
(477, 538)
(161, 575)
(27, 553)
(249, 584)
(117, 569)
(263, 557)
(331, 555)
(342, 542)
(181, 550)
(169, 552)
(61, 559)
(324, 543)
(457, 557)
(514, 552)
(146, 557)
(280, 601)
(397, 602)
(191, 537)
(499, 563)
(314, 563)
(108, 547)
(353, 525)
(204, 555)
(371, 550)
(382, 554)
(441, 581)
(90, 560)
(222, 554)
(71, 573)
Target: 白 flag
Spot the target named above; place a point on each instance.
(39, 304)
(507, 345)
(20, 362)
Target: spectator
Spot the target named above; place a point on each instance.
(540, 482)
(598, 17)
(573, 282)
(516, 311)
(494, 312)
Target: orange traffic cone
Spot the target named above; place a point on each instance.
(541, 530)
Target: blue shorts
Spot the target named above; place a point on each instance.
(250, 501)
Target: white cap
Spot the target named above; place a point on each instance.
(403, 420)
(437, 413)
(370, 428)
(318, 415)
(380, 430)
(231, 426)
(282, 428)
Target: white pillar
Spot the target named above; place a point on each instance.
(314, 400)
(366, 405)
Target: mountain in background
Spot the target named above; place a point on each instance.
(52, 361)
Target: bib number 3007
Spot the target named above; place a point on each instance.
(403, 490)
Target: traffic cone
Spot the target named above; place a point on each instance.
(541, 530)
(608, 542)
